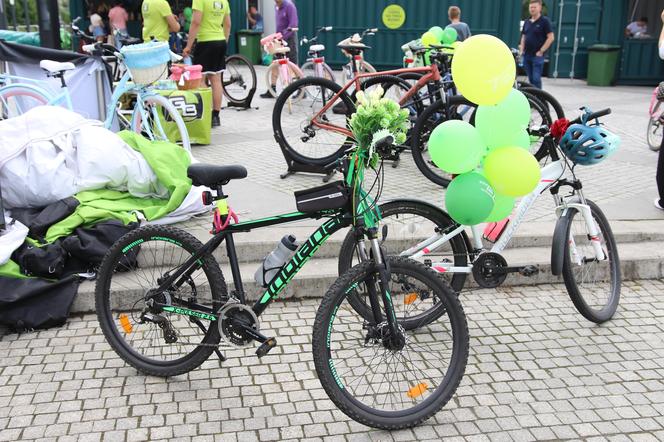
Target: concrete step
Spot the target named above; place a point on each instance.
(639, 260)
(253, 246)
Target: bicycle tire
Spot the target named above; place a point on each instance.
(393, 209)
(582, 304)
(238, 76)
(9, 94)
(543, 118)
(287, 141)
(121, 267)
(432, 116)
(332, 366)
(547, 99)
(167, 111)
(654, 140)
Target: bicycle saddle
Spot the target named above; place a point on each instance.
(128, 41)
(284, 50)
(55, 66)
(213, 176)
(317, 48)
(353, 48)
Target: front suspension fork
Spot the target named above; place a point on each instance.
(383, 282)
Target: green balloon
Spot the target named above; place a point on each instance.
(428, 39)
(450, 35)
(469, 199)
(522, 139)
(512, 171)
(499, 123)
(438, 32)
(502, 208)
(456, 147)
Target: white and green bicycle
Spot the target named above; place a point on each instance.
(584, 249)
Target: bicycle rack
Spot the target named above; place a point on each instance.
(295, 166)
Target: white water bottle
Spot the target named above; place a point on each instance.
(275, 260)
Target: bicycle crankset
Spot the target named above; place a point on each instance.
(235, 322)
(489, 270)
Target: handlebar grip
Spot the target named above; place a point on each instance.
(293, 29)
(89, 48)
(328, 28)
(384, 143)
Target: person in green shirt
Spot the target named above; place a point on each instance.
(210, 26)
(158, 20)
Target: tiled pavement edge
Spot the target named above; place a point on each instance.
(537, 371)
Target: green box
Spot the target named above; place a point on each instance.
(602, 62)
(249, 44)
(195, 107)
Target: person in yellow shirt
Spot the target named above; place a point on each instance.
(210, 26)
(158, 20)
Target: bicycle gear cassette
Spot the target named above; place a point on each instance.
(229, 317)
(488, 270)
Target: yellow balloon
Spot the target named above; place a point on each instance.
(483, 69)
(429, 38)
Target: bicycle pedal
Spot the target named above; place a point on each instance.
(265, 347)
(529, 270)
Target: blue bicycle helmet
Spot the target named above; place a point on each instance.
(588, 145)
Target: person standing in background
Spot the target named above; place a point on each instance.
(97, 28)
(463, 30)
(637, 29)
(211, 27)
(255, 19)
(286, 17)
(118, 17)
(659, 201)
(536, 38)
(158, 20)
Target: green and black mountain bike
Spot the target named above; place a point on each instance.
(390, 338)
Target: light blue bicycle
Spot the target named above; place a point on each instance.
(146, 113)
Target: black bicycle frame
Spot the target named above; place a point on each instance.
(338, 219)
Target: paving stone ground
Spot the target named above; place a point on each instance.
(537, 371)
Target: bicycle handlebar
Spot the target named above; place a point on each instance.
(590, 116)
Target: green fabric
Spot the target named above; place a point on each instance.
(11, 270)
(154, 19)
(169, 163)
(212, 22)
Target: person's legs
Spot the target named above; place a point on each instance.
(217, 93)
(293, 45)
(660, 177)
(528, 67)
(538, 67)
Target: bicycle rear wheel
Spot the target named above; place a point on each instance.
(150, 123)
(293, 115)
(15, 100)
(238, 79)
(151, 339)
(372, 380)
(453, 108)
(592, 284)
(654, 134)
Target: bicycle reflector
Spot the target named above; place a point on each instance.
(417, 390)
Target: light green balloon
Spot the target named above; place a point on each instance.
(502, 208)
(469, 199)
(438, 32)
(512, 171)
(498, 124)
(450, 35)
(428, 39)
(456, 147)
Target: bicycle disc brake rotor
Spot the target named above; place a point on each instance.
(488, 270)
(229, 318)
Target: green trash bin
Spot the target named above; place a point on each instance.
(602, 61)
(249, 43)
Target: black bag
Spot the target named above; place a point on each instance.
(329, 196)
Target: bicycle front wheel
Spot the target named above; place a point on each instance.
(293, 116)
(238, 79)
(152, 339)
(15, 100)
(157, 111)
(593, 284)
(370, 378)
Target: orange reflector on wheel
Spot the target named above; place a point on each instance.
(124, 322)
(417, 390)
(410, 298)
